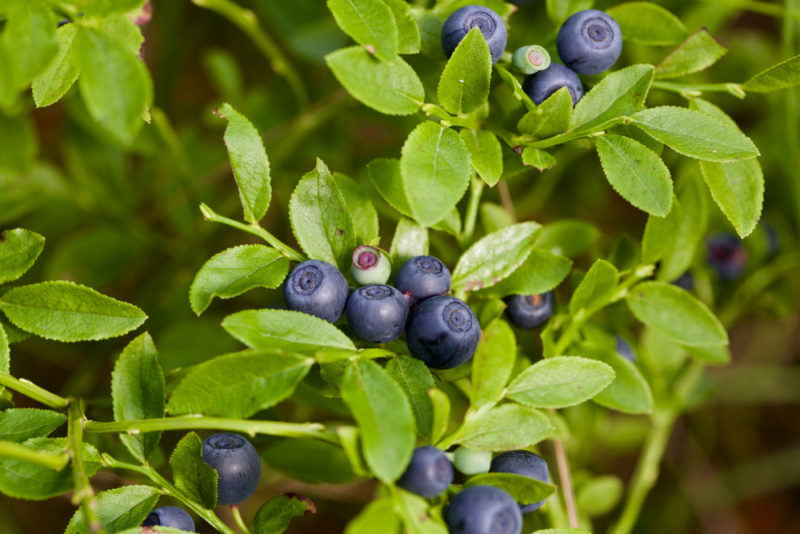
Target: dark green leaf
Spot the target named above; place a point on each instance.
(699, 51)
(20, 424)
(370, 23)
(502, 428)
(551, 117)
(485, 153)
(492, 364)
(524, 490)
(19, 249)
(464, 85)
(560, 382)
(784, 75)
(192, 475)
(648, 23)
(310, 460)
(619, 94)
(277, 513)
(118, 509)
(415, 379)
(738, 190)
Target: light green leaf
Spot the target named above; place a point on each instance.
(435, 166)
(559, 10)
(309, 460)
(249, 163)
(541, 272)
(235, 271)
(629, 392)
(320, 219)
(386, 177)
(648, 23)
(621, 93)
(417, 515)
(567, 237)
(596, 288)
(549, 118)
(408, 38)
(698, 52)
(502, 428)
(370, 23)
(695, 134)
(486, 154)
(109, 7)
(451, 223)
(19, 145)
(738, 190)
(495, 256)
(29, 36)
(494, 217)
(600, 495)
(537, 158)
(391, 87)
(410, 239)
(464, 85)
(560, 382)
(377, 517)
(239, 384)
(193, 476)
(637, 173)
(5, 355)
(19, 249)
(441, 413)
(64, 311)
(365, 218)
(277, 513)
(415, 379)
(21, 424)
(118, 509)
(516, 87)
(493, 363)
(62, 72)
(524, 490)
(677, 314)
(784, 75)
(384, 416)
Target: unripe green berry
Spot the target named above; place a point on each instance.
(471, 461)
(530, 59)
(370, 266)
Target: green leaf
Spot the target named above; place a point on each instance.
(719, 355)
(18, 149)
(784, 75)
(19, 249)
(64, 311)
(365, 218)
(137, 392)
(235, 271)
(695, 134)
(441, 413)
(118, 509)
(600, 495)
(494, 217)
(549, 118)
(560, 382)
(619, 94)
(54, 82)
(21, 424)
(629, 392)
(13, 334)
(391, 87)
(114, 83)
(596, 288)
(451, 223)
(386, 177)
(285, 330)
(495, 256)
(410, 239)
(418, 516)
(493, 363)
(524, 490)
(648, 23)
(384, 416)
(309, 460)
(277, 513)
(415, 379)
(738, 190)
(637, 173)
(698, 52)
(24, 480)
(249, 163)
(377, 517)
(30, 38)
(320, 219)
(541, 272)
(435, 166)
(239, 384)
(567, 237)
(192, 475)
(408, 38)
(537, 158)
(464, 85)
(516, 87)
(502, 428)
(486, 154)
(559, 10)
(677, 314)
(5, 355)
(370, 23)
(109, 7)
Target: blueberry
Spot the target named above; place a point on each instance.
(377, 313)
(529, 311)
(464, 19)
(237, 464)
(540, 85)
(624, 349)
(727, 256)
(428, 474)
(685, 281)
(443, 332)
(318, 288)
(170, 516)
(472, 461)
(370, 266)
(483, 510)
(589, 42)
(522, 463)
(422, 277)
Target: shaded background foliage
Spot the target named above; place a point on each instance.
(124, 220)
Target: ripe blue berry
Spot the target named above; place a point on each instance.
(237, 464)
(624, 349)
(370, 266)
(727, 256)
(377, 313)
(522, 463)
(428, 474)
(540, 85)
(529, 311)
(589, 42)
(483, 510)
(458, 25)
(317, 288)
(422, 277)
(170, 516)
(443, 332)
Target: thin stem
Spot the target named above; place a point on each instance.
(566, 483)
(475, 190)
(32, 391)
(237, 517)
(191, 422)
(566, 137)
(247, 21)
(436, 111)
(254, 229)
(56, 462)
(83, 493)
(693, 90)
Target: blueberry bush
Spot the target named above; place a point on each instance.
(473, 257)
